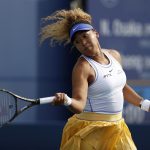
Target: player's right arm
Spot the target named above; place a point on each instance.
(80, 77)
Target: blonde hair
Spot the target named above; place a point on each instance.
(58, 30)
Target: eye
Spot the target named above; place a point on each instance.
(76, 42)
(85, 35)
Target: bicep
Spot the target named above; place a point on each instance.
(79, 87)
(79, 84)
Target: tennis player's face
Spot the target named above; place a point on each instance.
(87, 42)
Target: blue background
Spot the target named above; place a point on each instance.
(33, 71)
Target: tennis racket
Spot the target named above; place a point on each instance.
(9, 105)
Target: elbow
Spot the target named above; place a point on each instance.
(77, 107)
(78, 111)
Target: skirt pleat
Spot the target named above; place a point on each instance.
(80, 134)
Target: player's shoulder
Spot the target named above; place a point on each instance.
(81, 65)
(115, 53)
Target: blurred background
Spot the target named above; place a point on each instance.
(33, 71)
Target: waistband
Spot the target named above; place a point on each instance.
(90, 116)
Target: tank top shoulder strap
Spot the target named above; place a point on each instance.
(92, 63)
(111, 57)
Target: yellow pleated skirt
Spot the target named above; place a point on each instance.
(92, 131)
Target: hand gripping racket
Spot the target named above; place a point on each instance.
(9, 107)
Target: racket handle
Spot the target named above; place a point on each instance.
(46, 100)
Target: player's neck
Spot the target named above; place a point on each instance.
(101, 58)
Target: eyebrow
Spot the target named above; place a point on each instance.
(80, 33)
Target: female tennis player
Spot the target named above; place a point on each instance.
(99, 87)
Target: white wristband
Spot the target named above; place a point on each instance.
(145, 105)
(67, 101)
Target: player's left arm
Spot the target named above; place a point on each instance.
(130, 95)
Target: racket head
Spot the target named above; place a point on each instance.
(8, 107)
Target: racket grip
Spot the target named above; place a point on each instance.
(46, 100)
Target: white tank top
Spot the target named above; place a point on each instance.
(105, 94)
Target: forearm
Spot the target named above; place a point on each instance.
(76, 105)
(131, 96)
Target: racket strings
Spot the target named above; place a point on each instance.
(7, 107)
